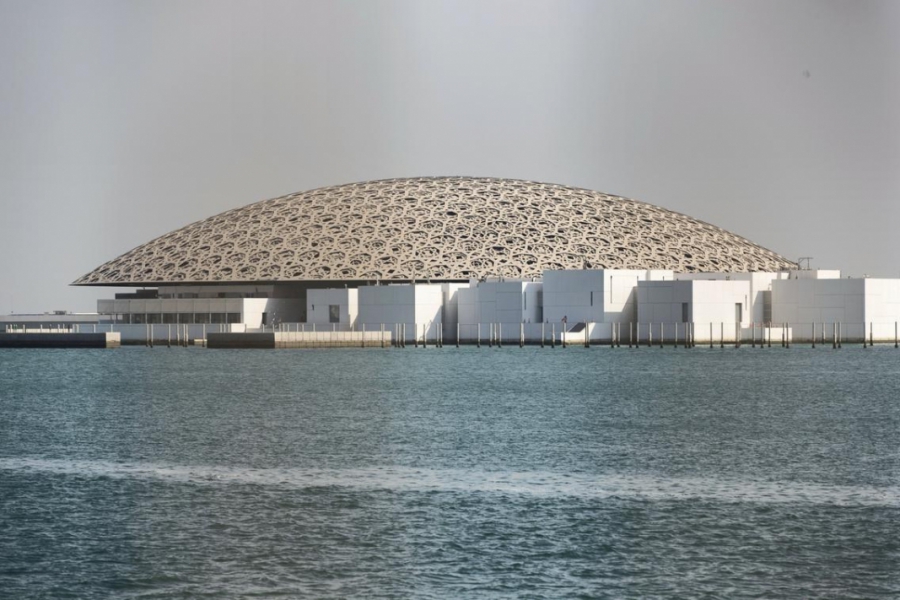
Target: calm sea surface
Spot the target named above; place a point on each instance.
(446, 473)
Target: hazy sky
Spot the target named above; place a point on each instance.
(120, 121)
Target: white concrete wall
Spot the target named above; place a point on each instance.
(710, 309)
(318, 302)
(882, 308)
(450, 318)
(504, 304)
(413, 305)
(863, 307)
(760, 282)
(595, 296)
(802, 302)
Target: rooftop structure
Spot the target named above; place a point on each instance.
(438, 229)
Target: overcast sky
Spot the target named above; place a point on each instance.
(121, 121)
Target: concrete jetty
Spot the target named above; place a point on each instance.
(104, 339)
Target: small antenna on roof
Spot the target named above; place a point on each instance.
(801, 259)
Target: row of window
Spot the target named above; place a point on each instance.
(176, 318)
(207, 295)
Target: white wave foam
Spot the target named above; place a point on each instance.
(534, 483)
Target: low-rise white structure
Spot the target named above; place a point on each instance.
(333, 307)
(417, 307)
(578, 305)
(860, 307)
(504, 310)
(706, 309)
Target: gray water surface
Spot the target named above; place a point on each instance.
(643, 473)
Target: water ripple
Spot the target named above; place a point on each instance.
(531, 483)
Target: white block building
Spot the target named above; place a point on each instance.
(336, 309)
(417, 306)
(859, 307)
(511, 308)
(716, 309)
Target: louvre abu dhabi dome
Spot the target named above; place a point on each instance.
(434, 228)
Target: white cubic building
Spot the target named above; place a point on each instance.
(509, 309)
(710, 309)
(416, 306)
(858, 307)
(596, 299)
(333, 308)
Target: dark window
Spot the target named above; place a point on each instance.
(234, 317)
(334, 313)
(685, 316)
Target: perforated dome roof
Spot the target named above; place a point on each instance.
(437, 228)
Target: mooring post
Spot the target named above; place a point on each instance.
(814, 334)
(676, 335)
(562, 335)
(457, 334)
(478, 335)
(521, 335)
(499, 335)
(787, 335)
(710, 335)
(587, 343)
(834, 335)
(169, 336)
(840, 334)
(895, 334)
(871, 335)
(721, 334)
(650, 334)
(553, 336)
(630, 332)
(542, 334)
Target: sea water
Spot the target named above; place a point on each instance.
(450, 473)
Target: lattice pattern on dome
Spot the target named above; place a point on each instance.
(433, 228)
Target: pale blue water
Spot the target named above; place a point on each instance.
(444, 473)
